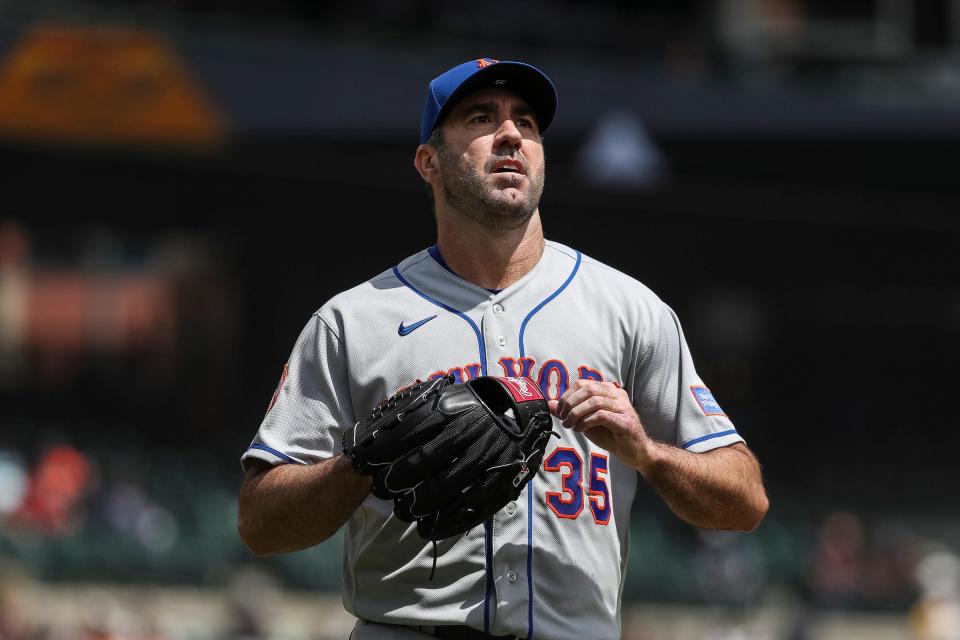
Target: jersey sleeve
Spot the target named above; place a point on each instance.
(673, 403)
(310, 407)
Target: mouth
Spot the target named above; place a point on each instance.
(509, 166)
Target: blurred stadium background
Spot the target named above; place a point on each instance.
(185, 181)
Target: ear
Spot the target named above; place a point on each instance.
(427, 163)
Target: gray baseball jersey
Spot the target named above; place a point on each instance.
(551, 564)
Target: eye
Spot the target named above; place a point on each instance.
(525, 122)
(480, 118)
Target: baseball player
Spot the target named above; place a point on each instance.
(493, 297)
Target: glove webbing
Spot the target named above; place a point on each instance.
(451, 433)
(404, 441)
(414, 436)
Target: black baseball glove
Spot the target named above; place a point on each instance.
(452, 455)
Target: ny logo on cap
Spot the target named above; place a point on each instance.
(486, 62)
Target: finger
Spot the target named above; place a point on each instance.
(575, 386)
(600, 418)
(618, 434)
(613, 404)
(619, 425)
(552, 407)
(583, 409)
(594, 387)
(580, 391)
(563, 402)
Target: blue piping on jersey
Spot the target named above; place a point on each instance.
(523, 325)
(523, 328)
(264, 447)
(473, 325)
(709, 436)
(530, 558)
(488, 544)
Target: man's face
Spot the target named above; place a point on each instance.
(491, 162)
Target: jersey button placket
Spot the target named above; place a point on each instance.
(495, 332)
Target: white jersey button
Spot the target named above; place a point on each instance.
(501, 341)
(511, 508)
(512, 575)
(498, 309)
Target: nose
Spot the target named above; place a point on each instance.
(508, 135)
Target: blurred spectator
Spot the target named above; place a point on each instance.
(135, 515)
(54, 493)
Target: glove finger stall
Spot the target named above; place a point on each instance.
(394, 440)
(480, 456)
(414, 467)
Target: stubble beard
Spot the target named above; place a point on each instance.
(464, 190)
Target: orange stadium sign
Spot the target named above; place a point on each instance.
(93, 85)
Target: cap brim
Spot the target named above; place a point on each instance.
(525, 80)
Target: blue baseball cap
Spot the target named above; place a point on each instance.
(525, 80)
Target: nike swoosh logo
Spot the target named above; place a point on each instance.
(413, 327)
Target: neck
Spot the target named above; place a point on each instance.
(490, 258)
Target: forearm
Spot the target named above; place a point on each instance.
(290, 507)
(720, 489)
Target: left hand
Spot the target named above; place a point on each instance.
(603, 412)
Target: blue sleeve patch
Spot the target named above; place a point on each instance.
(707, 402)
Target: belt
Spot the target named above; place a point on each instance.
(461, 632)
